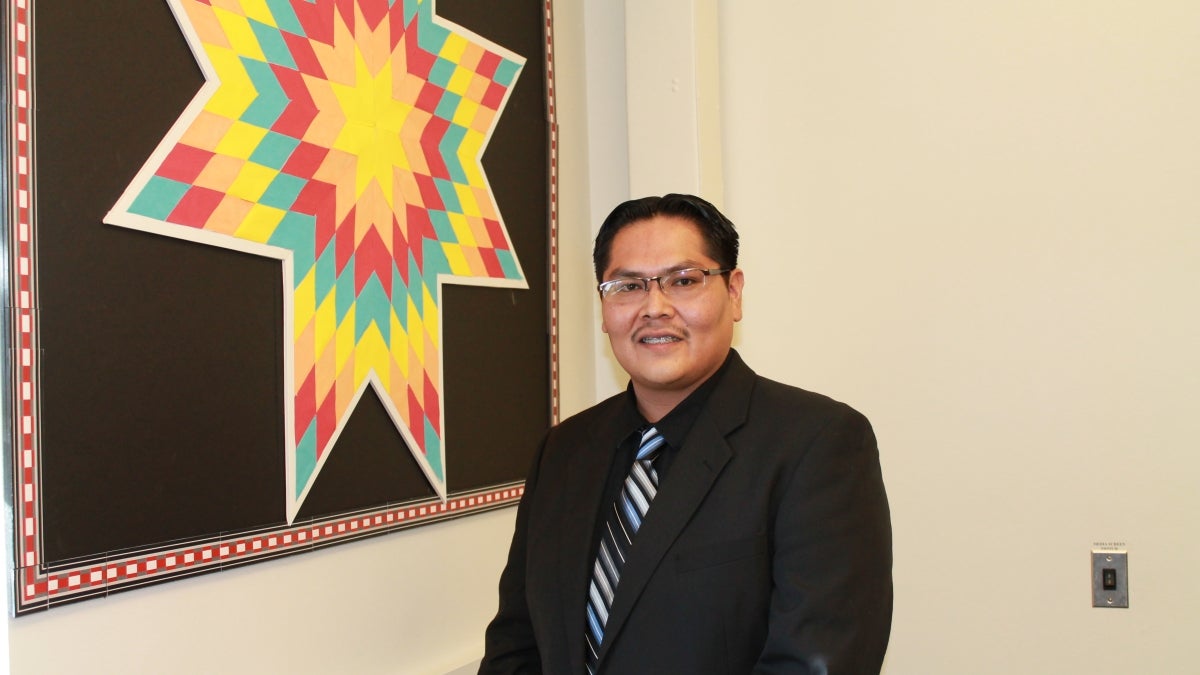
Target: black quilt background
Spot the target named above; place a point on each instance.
(160, 360)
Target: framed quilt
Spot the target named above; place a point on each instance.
(280, 275)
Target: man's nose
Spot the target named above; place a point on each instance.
(657, 302)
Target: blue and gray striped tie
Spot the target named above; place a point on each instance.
(623, 522)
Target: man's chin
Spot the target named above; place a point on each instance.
(662, 380)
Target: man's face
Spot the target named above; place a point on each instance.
(669, 346)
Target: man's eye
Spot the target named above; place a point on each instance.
(685, 279)
(627, 286)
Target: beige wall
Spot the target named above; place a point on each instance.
(979, 222)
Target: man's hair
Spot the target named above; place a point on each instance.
(720, 237)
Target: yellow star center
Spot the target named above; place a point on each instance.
(371, 131)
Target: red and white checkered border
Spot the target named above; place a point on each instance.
(552, 117)
(18, 75)
(39, 590)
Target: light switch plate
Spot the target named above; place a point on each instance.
(1117, 564)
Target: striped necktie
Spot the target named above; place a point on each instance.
(622, 523)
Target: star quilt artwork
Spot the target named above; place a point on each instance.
(282, 276)
(344, 138)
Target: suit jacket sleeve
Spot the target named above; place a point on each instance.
(831, 603)
(510, 645)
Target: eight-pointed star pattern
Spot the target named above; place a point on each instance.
(344, 138)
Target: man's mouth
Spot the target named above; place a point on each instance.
(659, 339)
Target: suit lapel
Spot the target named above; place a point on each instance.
(700, 461)
(592, 460)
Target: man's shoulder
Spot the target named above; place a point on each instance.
(776, 390)
(743, 390)
(779, 396)
(586, 420)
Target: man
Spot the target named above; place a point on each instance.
(706, 520)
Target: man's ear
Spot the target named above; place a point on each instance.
(736, 281)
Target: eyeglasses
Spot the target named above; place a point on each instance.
(680, 285)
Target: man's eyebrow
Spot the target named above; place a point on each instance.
(638, 274)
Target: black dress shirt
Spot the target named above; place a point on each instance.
(674, 427)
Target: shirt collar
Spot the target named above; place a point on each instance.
(675, 425)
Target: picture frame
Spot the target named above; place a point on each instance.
(153, 404)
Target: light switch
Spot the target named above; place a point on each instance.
(1110, 578)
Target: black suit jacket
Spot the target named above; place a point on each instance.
(767, 549)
